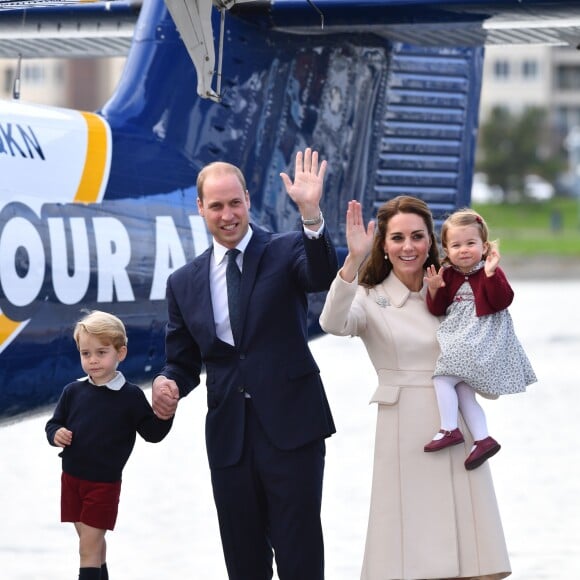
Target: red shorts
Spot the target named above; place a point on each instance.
(93, 503)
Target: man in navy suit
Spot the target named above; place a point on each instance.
(268, 415)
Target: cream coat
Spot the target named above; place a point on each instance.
(429, 517)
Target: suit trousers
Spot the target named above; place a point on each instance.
(269, 504)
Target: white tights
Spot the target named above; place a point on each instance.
(453, 394)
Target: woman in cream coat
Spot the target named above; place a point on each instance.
(429, 517)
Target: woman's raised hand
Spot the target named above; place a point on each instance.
(359, 239)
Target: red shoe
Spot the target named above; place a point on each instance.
(449, 438)
(484, 449)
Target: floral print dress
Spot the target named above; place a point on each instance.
(482, 350)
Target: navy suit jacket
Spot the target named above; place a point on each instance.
(273, 362)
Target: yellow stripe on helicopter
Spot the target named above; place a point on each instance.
(7, 329)
(97, 159)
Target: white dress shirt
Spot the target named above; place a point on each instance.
(218, 288)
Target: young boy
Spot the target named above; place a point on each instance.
(95, 422)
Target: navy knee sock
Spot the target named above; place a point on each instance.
(89, 574)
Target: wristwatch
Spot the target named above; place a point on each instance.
(312, 221)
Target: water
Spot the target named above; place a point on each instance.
(167, 525)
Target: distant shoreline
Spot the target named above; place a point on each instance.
(541, 267)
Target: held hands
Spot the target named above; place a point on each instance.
(63, 437)
(306, 191)
(165, 397)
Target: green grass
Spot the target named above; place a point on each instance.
(530, 228)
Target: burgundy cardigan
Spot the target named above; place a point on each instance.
(491, 294)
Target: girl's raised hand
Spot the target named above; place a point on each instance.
(491, 262)
(433, 278)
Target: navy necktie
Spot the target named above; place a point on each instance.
(233, 279)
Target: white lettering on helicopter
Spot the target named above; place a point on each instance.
(78, 248)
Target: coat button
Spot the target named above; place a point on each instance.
(241, 389)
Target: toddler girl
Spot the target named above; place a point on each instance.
(479, 349)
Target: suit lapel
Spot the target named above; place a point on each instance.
(201, 292)
(252, 258)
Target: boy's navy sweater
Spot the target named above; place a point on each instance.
(104, 424)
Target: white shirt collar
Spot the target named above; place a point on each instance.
(219, 251)
(397, 292)
(115, 384)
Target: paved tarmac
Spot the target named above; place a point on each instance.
(167, 526)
